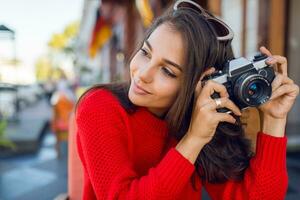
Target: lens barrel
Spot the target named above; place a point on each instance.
(252, 89)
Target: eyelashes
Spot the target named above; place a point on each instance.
(168, 72)
(164, 69)
(144, 52)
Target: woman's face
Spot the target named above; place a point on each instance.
(157, 68)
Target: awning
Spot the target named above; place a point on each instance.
(5, 32)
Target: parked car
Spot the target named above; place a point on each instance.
(8, 101)
(29, 94)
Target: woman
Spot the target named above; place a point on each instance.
(160, 136)
(62, 102)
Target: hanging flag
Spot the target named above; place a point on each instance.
(145, 11)
(101, 34)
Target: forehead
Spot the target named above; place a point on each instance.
(167, 43)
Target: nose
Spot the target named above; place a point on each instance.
(146, 73)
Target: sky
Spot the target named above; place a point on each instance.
(34, 21)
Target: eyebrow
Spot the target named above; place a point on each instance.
(165, 60)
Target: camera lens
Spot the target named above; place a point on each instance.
(255, 90)
(252, 89)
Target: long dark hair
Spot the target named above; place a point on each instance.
(227, 155)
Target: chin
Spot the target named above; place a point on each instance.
(136, 99)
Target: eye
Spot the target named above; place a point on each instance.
(145, 52)
(168, 73)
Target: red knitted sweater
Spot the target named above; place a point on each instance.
(130, 157)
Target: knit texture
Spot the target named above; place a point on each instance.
(131, 157)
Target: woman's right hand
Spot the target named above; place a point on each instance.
(205, 117)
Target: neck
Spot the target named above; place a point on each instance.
(160, 113)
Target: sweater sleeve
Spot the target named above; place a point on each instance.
(266, 177)
(109, 173)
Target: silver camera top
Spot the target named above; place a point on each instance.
(240, 64)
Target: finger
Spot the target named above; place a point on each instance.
(281, 62)
(292, 90)
(224, 117)
(279, 80)
(198, 89)
(231, 106)
(264, 50)
(205, 73)
(212, 86)
(225, 102)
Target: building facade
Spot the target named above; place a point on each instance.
(270, 23)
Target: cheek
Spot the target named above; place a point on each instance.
(167, 90)
(134, 63)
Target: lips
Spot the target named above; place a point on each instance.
(139, 89)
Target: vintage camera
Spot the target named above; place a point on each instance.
(248, 82)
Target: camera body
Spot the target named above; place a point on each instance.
(248, 83)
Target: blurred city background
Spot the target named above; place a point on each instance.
(51, 51)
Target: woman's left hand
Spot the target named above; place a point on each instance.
(284, 91)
